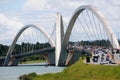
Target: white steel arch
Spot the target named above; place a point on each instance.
(111, 36)
(18, 35)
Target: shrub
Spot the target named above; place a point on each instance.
(27, 76)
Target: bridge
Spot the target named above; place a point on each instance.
(87, 31)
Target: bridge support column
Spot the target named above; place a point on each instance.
(2, 62)
(51, 56)
(13, 62)
(59, 37)
(69, 57)
(72, 57)
(46, 58)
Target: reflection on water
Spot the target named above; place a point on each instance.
(12, 73)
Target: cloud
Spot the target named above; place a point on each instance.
(74, 4)
(32, 5)
(115, 3)
(56, 5)
(4, 1)
(10, 23)
(48, 8)
(109, 8)
(10, 26)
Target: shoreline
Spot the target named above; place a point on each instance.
(30, 62)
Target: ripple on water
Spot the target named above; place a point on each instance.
(12, 73)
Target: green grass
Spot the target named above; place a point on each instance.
(82, 71)
(30, 62)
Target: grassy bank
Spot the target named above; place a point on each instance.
(81, 71)
(30, 62)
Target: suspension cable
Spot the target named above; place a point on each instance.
(84, 28)
(90, 27)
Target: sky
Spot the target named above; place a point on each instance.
(14, 14)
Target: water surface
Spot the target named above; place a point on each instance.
(12, 73)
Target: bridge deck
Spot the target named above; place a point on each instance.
(41, 51)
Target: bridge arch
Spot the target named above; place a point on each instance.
(111, 36)
(10, 50)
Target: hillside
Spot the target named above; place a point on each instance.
(82, 71)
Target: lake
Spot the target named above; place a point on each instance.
(12, 73)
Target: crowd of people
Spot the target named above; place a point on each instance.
(101, 55)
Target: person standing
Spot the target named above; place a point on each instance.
(107, 57)
(102, 57)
